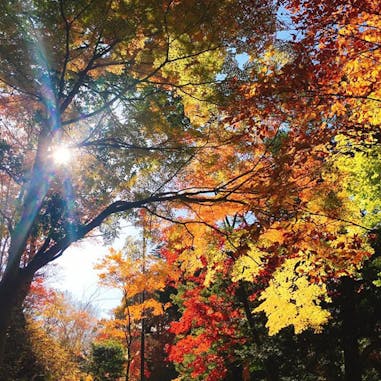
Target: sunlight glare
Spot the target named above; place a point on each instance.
(62, 155)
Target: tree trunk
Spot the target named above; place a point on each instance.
(352, 366)
(13, 291)
(142, 334)
(142, 354)
(128, 338)
(270, 368)
(128, 366)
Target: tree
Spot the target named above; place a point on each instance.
(69, 322)
(35, 352)
(208, 332)
(133, 87)
(107, 361)
(219, 330)
(141, 277)
(336, 75)
(300, 129)
(126, 86)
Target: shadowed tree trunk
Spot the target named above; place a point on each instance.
(270, 369)
(352, 366)
(12, 294)
(142, 334)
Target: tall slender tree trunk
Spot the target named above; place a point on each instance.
(128, 366)
(352, 365)
(142, 352)
(128, 338)
(142, 334)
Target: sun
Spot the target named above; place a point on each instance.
(62, 155)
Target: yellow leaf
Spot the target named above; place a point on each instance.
(290, 299)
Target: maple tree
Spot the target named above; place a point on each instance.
(337, 76)
(302, 141)
(140, 277)
(208, 332)
(287, 146)
(199, 349)
(126, 86)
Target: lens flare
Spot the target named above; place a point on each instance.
(62, 155)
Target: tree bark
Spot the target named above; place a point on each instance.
(13, 291)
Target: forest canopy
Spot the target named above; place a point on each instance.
(241, 136)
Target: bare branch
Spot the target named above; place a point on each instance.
(67, 50)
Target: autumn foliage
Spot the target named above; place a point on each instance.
(247, 133)
(298, 221)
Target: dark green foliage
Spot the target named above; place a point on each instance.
(107, 361)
